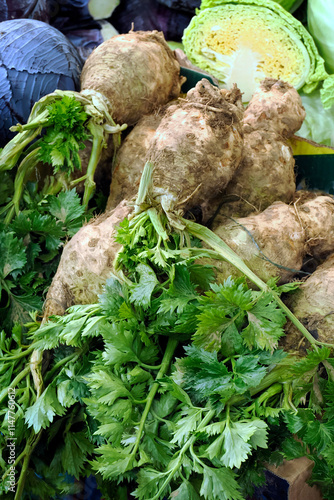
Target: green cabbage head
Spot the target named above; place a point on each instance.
(244, 41)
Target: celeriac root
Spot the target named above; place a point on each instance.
(266, 173)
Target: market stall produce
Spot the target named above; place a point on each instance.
(107, 96)
(157, 341)
(243, 42)
(35, 60)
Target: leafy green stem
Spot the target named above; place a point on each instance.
(165, 363)
(24, 169)
(13, 149)
(278, 375)
(14, 382)
(98, 140)
(150, 367)
(29, 448)
(209, 416)
(17, 461)
(71, 357)
(21, 354)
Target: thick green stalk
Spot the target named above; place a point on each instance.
(13, 149)
(14, 383)
(278, 375)
(29, 448)
(21, 354)
(24, 169)
(97, 133)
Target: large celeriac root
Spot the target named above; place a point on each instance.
(86, 263)
(137, 72)
(130, 160)
(270, 243)
(197, 147)
(317, 217)
(313, 305)
(275, 242)
(266, 173)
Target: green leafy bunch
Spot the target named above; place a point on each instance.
(65, 135)
(185, 430)
(33, 239)
(171, 386)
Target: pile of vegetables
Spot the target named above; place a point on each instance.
(48, 62)
(174, 355)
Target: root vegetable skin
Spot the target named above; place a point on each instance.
(137, 72)
(197, 147)
(275, 107)
(313, 304)
(86, 263)
(285, 234)
(275, 234)
(317, 217)
(130, 160)
(266, 173)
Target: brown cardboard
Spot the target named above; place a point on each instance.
(296, 472)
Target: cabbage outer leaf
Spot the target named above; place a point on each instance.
(320, 24)
(242, 41)
(290, 5)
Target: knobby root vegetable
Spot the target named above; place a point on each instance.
(313, 304)
(130, 160)
(266, 173)
(275, 107)
(317, 217)
(197, 147)
(86, 263)
(275, 242)
(137, 72)
(270, 243)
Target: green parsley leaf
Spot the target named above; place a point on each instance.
(149, 483)
(319, 435)
(203, 375)
(67, 208)
(113, 461)
(234, 445)
(265, 326)
(222, 310)
(106, 386)
(74, 452)
(12, 255)
(41, 413)
(61, 142)
(141, 292)
(180, 292)
(187, 424)
(185, 491)
(247, 372)
(219, 484)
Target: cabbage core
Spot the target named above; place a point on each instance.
(243, 45)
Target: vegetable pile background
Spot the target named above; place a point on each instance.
(166, 289)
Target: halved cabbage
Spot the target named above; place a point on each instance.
(246, 40)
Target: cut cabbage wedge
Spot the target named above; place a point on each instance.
(245, 41)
